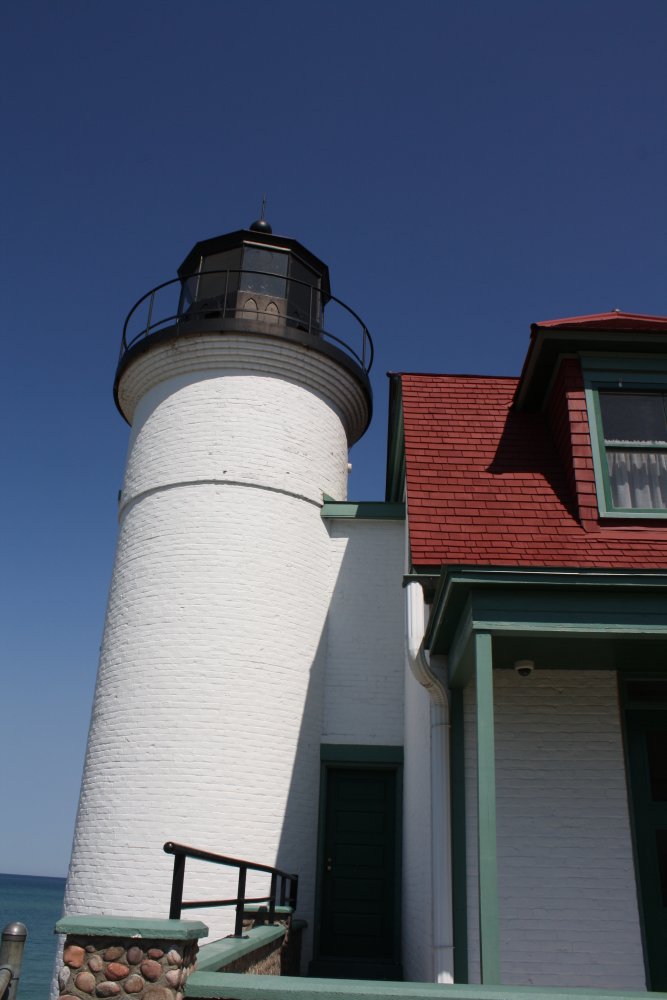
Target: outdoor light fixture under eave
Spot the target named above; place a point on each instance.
(524, 668)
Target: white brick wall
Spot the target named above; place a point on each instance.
(188, 358)
(208, 709)
(363, 700)
(568, 906)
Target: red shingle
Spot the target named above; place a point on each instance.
(489, 486)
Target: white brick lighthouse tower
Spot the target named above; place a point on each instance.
(206, 722)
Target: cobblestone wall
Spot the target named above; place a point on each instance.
(117, 967)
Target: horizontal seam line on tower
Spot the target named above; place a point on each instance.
(134, 500)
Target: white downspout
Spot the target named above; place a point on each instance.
(432, 676)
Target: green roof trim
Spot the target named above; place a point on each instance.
(367, 510)
(395, 442)
(132, 927)
(543, 614)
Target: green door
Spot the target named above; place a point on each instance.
(647, 747)
(358, 923)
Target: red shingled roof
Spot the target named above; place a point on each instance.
(488, 487)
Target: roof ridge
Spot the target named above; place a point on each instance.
(507, 378)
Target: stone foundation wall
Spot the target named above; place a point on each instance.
(112, 967)
(278, 958)
(265, 961)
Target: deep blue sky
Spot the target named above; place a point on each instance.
(465, 168)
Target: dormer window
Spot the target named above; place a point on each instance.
(634, 425)
(627, 413)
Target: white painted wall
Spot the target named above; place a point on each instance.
(568, 906)
(417, 873)
(363, 687)
(209, 703)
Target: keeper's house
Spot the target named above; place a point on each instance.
(536, 523)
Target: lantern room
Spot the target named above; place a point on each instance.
(253, 275)
(249, 282)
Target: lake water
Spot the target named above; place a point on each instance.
(36, 902)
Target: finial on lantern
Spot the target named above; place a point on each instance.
(261, 225)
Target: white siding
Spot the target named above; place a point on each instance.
(417, 875)
(568, 906)
(363, 688)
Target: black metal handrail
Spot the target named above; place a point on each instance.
(276, 892)
(226, 310)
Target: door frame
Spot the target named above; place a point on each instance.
(632, 711)
(360, 758)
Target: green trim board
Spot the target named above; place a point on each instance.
(603, 372)
(547, 602)
(132, 927)
(215, 986)
(395, 486)
(487, 862)
(363, 510)
(550, 345)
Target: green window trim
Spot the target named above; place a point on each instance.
(644, 374)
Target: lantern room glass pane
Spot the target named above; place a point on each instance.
(273, 267)
(210, 285)
(303, 299)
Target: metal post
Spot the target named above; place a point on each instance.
(177, 887)
(11, 956)
(224, 301)
(150, 314)
(240, 904)
(310, 311)
(272, 900)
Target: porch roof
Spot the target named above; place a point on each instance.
(558, 618)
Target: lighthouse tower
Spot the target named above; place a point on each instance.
(243, 400)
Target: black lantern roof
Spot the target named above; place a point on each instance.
(265, 238)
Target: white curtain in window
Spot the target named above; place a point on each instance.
(638, 478)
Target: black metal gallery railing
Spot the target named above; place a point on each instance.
(182, 301)
(283, 891)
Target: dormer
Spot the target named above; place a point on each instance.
(601, 382)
